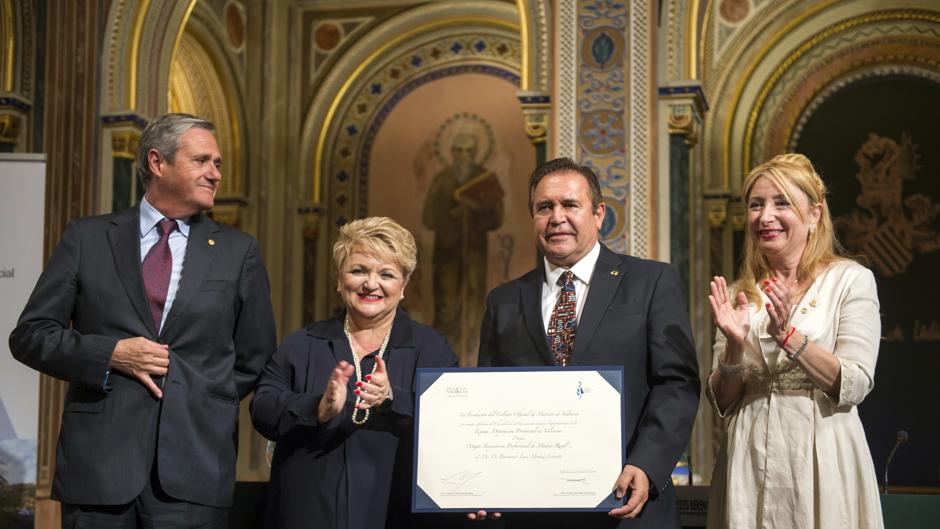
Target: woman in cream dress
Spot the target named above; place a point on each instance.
(794, 356)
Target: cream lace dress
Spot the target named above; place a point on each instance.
(792, 456)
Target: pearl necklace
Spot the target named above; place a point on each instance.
(355, 413)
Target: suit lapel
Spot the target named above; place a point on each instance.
(199, 255)
(531, 296)
(124, 237)
(608, 273)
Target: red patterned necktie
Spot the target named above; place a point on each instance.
(156, 270)
(564, 321)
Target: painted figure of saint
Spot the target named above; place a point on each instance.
(463, 204)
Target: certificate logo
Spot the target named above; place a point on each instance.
(582, 391)
(458, 392)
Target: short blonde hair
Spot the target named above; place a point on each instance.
(786, 172)
(379, 237)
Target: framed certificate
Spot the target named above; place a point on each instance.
(518, 439)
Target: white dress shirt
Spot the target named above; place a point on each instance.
(149, 217)
(582, 271)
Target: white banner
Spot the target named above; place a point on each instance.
(22, 218)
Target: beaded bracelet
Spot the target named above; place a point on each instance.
(796, 354)
(730, 370)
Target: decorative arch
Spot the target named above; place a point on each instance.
(437, 39)
(141, 37)
(170, 56)
(764, 74)
(204, 80)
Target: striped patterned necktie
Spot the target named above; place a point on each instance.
(564, 320)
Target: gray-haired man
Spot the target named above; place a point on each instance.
(160, 320)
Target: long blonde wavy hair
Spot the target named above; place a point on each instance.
(788, 172)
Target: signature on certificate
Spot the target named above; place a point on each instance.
(459, 479)
(583, 481)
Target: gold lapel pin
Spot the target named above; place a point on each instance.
(803, 310)
(211, 242)
(813, 303)
(615, 272)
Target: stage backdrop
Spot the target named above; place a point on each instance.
(876, 145)
(22, 200)
(464, 130)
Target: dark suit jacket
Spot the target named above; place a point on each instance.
(634, 316)
(337, 474)
(220, 330)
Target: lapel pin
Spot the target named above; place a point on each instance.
(615, 273)
(803, 310)
(813, 303)
(211, 242)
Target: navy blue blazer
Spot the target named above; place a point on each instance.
(339, 475)
(634, 316)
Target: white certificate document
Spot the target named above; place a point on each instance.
(518, 439)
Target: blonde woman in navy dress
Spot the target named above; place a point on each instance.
(338, 395)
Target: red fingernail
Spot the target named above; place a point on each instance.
(357, 392)
(774, 279)
(766, 282)
(768, 305)
(767, 290)
(358, 384)
(368, 378)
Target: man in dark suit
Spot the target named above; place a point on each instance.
(160, 319)
(609, 310)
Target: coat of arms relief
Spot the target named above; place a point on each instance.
(890, 228)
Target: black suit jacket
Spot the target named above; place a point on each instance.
(221, 333)
(634, 316)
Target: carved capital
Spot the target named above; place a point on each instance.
(310, 217)
(738, 214)
(681, 120)
(717, 208)
(230, 210)
(536, 108)
(687, 105)
(124, 144)
(10, 125)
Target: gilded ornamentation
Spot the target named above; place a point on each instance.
(198, 86)
(536, 36)
(310, 217)
(228, 213)
(717, 212)
(866, 33)
(890, 228)
(10, 128)
(681, 120)
(124, 144)
(738, 215)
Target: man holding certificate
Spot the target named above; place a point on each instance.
(588, 306)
